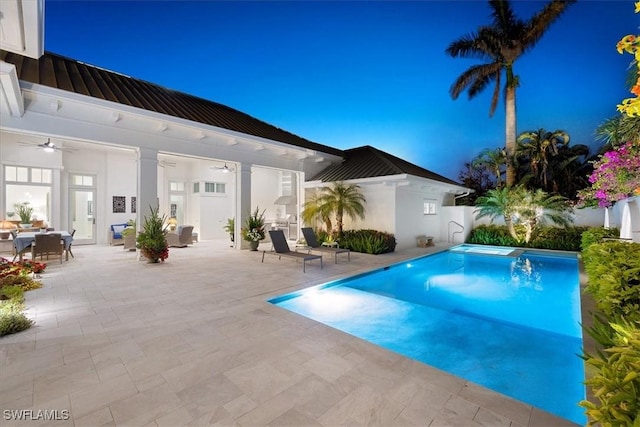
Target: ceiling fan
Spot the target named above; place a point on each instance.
(48, 146)
(224, 169)
(166, 163)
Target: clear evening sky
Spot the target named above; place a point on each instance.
(347, 74)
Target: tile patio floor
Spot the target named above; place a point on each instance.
(119, 342)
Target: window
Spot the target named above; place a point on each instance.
(176, 186)
(24, 174)
(429, 207)
(27, 185)
(82, 180)
(215, 187)
(196, 187)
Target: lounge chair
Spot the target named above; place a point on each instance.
(281, 248)
(313, 244)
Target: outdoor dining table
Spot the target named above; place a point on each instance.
(23, 241)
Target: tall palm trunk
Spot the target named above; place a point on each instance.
(339, 215)
(510, 131)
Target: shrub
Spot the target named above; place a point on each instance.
(565, 239)
(616, 383)
(562, 239)
(614, 277)
(596, 235)
(491, 235)
(322, 235)
(368, 241)
(26, 282)
(152, 240)
(13, 322)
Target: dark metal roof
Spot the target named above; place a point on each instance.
(68, 74)
(369, 162)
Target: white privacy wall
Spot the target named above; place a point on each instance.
(379, 209)
(410, 219)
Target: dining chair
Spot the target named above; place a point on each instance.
(70, 244)
(47, 244)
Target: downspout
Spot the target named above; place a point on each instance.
(461, 195)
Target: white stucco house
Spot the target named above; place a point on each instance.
(89, 147)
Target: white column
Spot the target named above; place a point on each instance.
(147, 194)
(57, 203)
(243, 202)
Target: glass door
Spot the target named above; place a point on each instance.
(82, 215)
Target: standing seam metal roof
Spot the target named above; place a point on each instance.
(73, 76)
(369, 162)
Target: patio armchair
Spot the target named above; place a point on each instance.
(281, 248)
(181, 238)
(115, 234)
(314, 245)
(47, 244)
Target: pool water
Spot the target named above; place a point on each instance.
(507, 320)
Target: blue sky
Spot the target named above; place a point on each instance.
(347, 74)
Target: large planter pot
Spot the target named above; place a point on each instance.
(253, 245)
(25, 225)
(151, 255)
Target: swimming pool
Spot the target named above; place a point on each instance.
(503, 318)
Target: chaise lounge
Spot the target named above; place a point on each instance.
(281, 248)
(314, 245)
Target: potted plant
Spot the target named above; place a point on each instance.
(253, 230)
(152, 240)
(24, 211)
(230, 228)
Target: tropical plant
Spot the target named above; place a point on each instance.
(230, 228)
(152, 240)
(616, 384)
(494, 161)
(631, 44)
(253, 230)
(339, 199)
(368, 241)
(618, 130)
(475, 178)
(500, 44)
(597, 235)
(616, 176)
(24, 210)
(130, 229)
(613, 269)
(527, 208)
(315, 210)
(538, 147)
(569, 171)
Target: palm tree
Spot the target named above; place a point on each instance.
(492, 160)
(537, 207)
(618, 130)
(539, 147)
(517, 205)
(500, 202)
(340, 199)
(500, 45)
(314, 210)
(570, 170)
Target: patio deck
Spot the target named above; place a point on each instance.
(194, 342)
